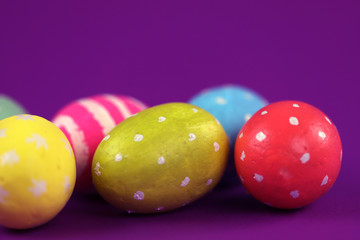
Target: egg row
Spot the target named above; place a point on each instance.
(156, 159)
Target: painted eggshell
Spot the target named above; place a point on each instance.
(9, 107)
(288, 154)
(37, 171)
(161, 159)
(232, 105)
(86, 122)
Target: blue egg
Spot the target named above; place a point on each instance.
(232, 105)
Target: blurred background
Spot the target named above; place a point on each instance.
(53, 52)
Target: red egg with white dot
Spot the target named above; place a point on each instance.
(86, 121)
(288, 154)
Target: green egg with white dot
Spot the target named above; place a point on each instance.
(161, 159)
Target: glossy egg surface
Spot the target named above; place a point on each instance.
(160, 159)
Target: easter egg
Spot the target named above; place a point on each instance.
(288, 154)
(232, 105)
(9, 107)
(160, 159)
(86, 122)
(37, 171)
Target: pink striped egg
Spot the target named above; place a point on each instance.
(86, 122)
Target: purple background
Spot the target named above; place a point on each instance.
(52, 52)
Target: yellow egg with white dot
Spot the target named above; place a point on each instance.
(37, 171)
(161, 159)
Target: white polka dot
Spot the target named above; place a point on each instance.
(209, 182)
(9, 158)
(322, 135)
(247, 117)
(194, 110)
(325, 180)
(260, 136)
(248, 96)
(25, 117)
(305, 157)
(138, 138)
(294, 121)
(327, 119)
(97, 169)
(118, 157)
(159, 209)
(192, 137)
(259, 178)
(38, 188)
(38, 140)
(161, 119)
(185, 182)
(67, 145)
(341, 155)
(139, 195)
(216, 146)
(264, 112)
(106, 137)
(294, 194)
(66, 184)
(296, 105)
(161, 160)
(3, 194)
(2, 133)
(241, 135)
(241, 179)
(220, 100)
(242, 157)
